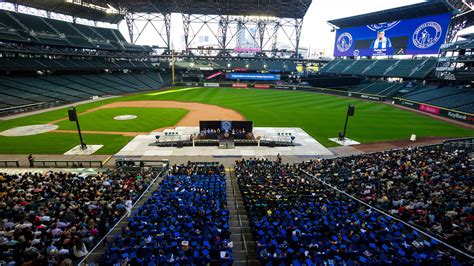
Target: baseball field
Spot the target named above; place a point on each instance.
(322, 116)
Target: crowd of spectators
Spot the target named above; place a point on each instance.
(57, 218)
(184, 222)
(297, 220)
(426, 186)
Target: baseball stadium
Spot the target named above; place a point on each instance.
(236, 132)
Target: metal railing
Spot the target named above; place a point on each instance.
(67, 163)
(236, 204)
(7, 162)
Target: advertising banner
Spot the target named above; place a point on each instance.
(429, 109)
(423, 35)
(262, 86)
(211, 84)
(239, 85)
(453, 114)
(253, 76)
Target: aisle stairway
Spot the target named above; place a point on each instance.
(244, 246)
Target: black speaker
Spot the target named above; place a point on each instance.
(272, 144)
(351, 110)
(72, 114)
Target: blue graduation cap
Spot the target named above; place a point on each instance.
(372, 245)
(133, 255)
(401, 252)
(290, 250)
(333, 248)
(260, 232)
(426, 243)
(205, 252)
(334, 238)
(384, 247)
(422, 256)
(337, 257)
(362, 259)
(125, 255)
(372, 235)
(296, 262)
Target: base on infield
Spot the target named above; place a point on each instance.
(345, 142)
(88, 151)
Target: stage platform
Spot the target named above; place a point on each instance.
(304, 145)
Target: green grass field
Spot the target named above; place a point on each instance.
(148, 119)
(322, 116)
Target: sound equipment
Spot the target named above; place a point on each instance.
(72, 114)
(351, 110)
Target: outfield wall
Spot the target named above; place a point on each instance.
(352, 94)
(430, 109)
(436, 110)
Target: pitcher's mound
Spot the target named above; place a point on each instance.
(28, 130)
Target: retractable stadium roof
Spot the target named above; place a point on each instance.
(405, 12)
(113, 11)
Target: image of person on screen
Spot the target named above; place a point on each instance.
(381, 42)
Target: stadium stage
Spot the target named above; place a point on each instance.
(303, 144)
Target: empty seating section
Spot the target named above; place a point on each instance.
(469, 108)
(250, 64)
(19, 91)
(379, 88)
(33, 29)
(405, 68)
(445, 97)
(41, 63)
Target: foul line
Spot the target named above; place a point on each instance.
(172, 91)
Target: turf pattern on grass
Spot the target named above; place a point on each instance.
(148, 119)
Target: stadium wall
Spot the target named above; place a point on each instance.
(364, 96)
(436, 110)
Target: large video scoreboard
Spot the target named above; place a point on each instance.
(411, 36)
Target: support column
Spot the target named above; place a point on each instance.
(223, 24)
(276, 27)
(261, 25)
(240, 32)
(167, 18)
(298, 27)
(186, 26)
(129, 21)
